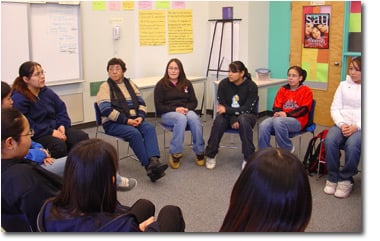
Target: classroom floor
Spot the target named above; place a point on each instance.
(203, 194)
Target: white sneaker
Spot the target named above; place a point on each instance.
(126, 184)
(330, 187)
(343, 189)
(293, 149)
(210, 163)
(243, 164)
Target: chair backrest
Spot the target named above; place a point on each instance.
(310, 124)
(97, 114)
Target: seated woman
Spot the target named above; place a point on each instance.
(46, 112)
(88, 201)
(123, 113)
(37, 152)
(291, 108)
(272, 194)
(24, 184)
(346, 133)
(175, 101)
(236, 109)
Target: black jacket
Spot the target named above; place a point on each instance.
(24, 188)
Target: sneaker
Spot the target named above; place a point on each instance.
(243, 164)
(293, 149)
(330, 187)
(126, 184)
(210, 163)
(343, 189)
(200, 160)
(174, 160)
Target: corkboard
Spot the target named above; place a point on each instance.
(323, 97)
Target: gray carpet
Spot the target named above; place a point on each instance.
(203, 194)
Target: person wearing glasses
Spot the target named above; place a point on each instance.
(37, 152)
(175, 101)
(123, 113)
(45, 111)
(346, 133)
(24, 184)
(291, 108)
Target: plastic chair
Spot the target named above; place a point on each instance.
(100, 130)
(310, 128)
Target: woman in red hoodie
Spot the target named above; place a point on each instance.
(291, 109)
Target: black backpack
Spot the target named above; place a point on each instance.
(315, 153)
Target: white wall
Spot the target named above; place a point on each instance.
(98, 46)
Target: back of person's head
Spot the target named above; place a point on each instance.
(5, 90)
(272, 194)
(301, 72)
(117, 61)
(238, 66)
(89, 178)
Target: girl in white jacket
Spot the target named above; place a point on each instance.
(345, 134)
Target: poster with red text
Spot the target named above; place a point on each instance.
(316, 30)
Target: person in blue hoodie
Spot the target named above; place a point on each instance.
(45, 111)
(37, 152)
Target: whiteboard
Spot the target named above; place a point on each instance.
(14, 39)
(50, 36)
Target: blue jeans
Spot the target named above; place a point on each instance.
(352, 149)
(281, 127)
(178, 122)
(142, 139)
(221, 123)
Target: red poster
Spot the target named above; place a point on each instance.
(316, 30)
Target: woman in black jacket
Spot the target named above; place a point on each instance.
(24, 184)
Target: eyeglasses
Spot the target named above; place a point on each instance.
(293, 75)
(30, 133)
(38, 74)
(173, 68)
(115, 68)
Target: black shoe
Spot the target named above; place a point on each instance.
(155, 176)
(155, 170)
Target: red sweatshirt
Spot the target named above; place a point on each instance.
(295, 103)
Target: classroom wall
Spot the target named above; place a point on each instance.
(98, 45)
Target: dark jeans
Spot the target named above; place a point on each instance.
(352, 147)
(59, 148)
(221, 123)
(142, 139)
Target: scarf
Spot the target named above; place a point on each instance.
(118, 100)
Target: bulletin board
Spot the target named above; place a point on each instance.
(47, 33)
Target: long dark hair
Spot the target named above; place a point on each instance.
(182, 79)
(5, 90)
(272, 194)
(12, 124)
(90, 179)
(26, 70)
